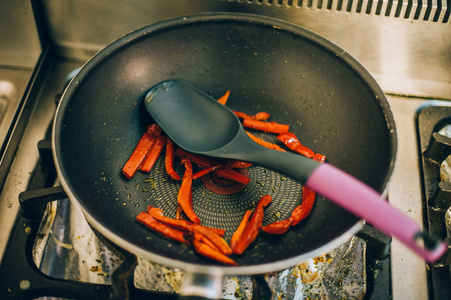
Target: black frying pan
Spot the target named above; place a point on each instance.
(303, 80)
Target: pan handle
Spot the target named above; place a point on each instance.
(206, 285)
(363, 201)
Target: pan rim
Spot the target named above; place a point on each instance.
(209, 17)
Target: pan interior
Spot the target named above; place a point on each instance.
(334, 107)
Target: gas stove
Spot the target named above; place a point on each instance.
(49, 250)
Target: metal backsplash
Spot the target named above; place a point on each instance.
(405, 45)
(19, 42)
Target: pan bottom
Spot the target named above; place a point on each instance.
(219, 203)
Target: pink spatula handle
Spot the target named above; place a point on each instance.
(364, 202)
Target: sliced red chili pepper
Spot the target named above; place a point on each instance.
(231, 174)
(253, 227)
(237, 164)
(264, 143)
(303, 210)
(169, 160)
(161, 228)
(213, 237)
(242, 115)
(219, 231)
(206, 241)
(185, 195)
(154, 130)
(319, 157)
(200, 160)
(292, 142)
(279, 227)
(207, 162)
(207, 251)
(239, 231)
(178, 212)
(223, 99)
(180, 224)
(261, 116)
(158, 214)
(205, 171)
(266, 126)
(154, 153)
(308, 199)
(141, 151)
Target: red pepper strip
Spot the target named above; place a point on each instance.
(180, 224)
(154, 130)
(319, 157)
(308, 199)
(279, 227)
(219, 231)
(303, 210)
(232, 175)
(293, 143)
(207, 162)
(169, 160)
(207, 251)
(239, 231)
(261, 116)
(184, 197)
(141, 151)
(206, 241)
(205, 171)
(178, 212)
(157, 214)
(163, 229)
(215, 238)
(266, 126)
(264, 143)
(200, 160)
(154, 153)
(242, 115)
(253, 227)
(223, 99)
(238, 164)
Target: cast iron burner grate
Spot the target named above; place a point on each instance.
(435, 148)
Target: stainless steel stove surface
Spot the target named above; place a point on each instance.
(404, 45)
